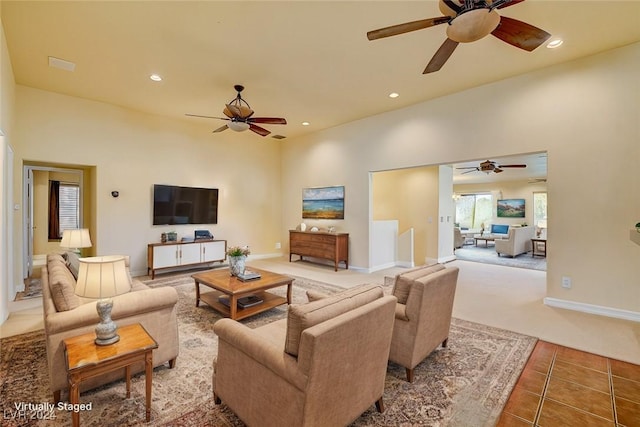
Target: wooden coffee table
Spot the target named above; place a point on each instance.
(486, 240)
(223, 284)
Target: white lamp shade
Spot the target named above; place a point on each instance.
(73, 239)
(542, 223)
(102, 277)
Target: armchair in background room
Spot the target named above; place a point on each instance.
(423, 313)
(518, 242)
(458, 238)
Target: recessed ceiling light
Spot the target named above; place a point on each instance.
(394, 95)
(305, 123)
(555, 43)
(155, 77)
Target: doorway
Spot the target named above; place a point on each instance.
(37, 239)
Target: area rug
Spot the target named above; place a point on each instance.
(32, 289)
(488, 255)
(466, 383)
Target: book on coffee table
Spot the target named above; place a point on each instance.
(248, 275)
(244, 302)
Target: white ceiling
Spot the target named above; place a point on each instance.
(301, 60)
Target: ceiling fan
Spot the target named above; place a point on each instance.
(240, 116)
(469, 21)
(488, 166)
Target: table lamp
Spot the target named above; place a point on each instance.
(75, 239)
(103, 277)
(542, 224)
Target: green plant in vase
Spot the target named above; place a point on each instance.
(237, 259)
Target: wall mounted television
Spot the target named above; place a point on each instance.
(184, 205)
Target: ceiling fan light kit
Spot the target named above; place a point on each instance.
(240, 116)
(489, 166)
(469, 21)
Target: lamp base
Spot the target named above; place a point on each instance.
(106, 329)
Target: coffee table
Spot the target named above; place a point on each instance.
(223, 284)
(486, 240)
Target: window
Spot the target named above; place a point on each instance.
(474, 210)
(540, 209)
(69, 207)
(64, 208)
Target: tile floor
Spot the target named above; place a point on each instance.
(561, 386)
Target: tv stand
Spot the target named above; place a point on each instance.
(174, 255)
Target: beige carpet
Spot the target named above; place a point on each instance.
(465, 384)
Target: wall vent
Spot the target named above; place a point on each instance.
(61, 64)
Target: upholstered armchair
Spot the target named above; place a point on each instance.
(322, 366)
(458, 238)
(423, 313)
(518, 242)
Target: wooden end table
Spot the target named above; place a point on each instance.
(542, 250)
(85, 360)
(226, 285)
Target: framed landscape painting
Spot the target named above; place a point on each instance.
(511, 208)
(323, 202)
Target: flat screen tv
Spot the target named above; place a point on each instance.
(184, 205)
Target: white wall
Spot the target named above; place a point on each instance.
(584, 114)
(130, 151)
(7, 261)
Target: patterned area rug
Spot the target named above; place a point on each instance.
(488, 255)
(466, 383)
(32, 289)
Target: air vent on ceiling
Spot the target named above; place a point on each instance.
(278, 136)
(61, 64)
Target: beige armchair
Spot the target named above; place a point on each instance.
(423, 313)
(322, 366)
(458, 238)
(518, 242)
(67, 315)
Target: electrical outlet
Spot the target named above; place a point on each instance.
(278, 245)
(566, 282)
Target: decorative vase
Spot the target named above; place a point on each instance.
(237, 264)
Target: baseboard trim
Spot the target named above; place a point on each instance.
(617, 313)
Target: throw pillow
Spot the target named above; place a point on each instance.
(303, 316)
(61, 286)
(73, 263)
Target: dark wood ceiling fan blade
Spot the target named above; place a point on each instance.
(473, 170)
(407, 27)
(268, 120)
(520, 34)
(512, 166)
(206, 117)
(501, 4)
(258, 130)
(221, 128)
(497, 170)
(441, 56)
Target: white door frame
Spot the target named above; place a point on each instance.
(29, 208)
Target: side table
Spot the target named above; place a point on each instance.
(541, 250)
(85, 360)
